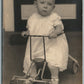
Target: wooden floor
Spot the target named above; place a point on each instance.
(14, 50)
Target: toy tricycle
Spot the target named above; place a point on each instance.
(20, 80)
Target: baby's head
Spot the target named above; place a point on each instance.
(45, 7)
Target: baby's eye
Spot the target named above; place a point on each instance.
(50, 4)
(42, 2)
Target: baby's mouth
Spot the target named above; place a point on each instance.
(44, 11)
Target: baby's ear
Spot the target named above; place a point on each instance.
(53, 6)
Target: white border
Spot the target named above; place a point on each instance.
(82, 41)
(0, 42)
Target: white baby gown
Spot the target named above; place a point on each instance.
(56, 49)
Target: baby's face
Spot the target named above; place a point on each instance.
(45, 7)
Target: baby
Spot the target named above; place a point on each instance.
(46, 22)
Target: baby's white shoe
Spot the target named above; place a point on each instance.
(29, 80)
(54, 81)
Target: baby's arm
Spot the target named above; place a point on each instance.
(57, 30)
(26, 33)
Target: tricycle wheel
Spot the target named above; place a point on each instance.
(75, 67)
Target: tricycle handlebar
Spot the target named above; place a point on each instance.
(42, 35)
(38, 36)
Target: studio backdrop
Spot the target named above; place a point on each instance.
(69, 10)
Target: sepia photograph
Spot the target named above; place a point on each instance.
(42, 42)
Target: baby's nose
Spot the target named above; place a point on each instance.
(45, 6)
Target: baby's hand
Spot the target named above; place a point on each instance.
(25, 33)
(56, 31)
(53, 34)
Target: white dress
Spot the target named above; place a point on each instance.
(56, 49)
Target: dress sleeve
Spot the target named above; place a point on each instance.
(58, 21)
(28, 23)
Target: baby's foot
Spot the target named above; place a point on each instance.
(54, 81)
(28, 81)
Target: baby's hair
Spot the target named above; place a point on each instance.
(36, 0)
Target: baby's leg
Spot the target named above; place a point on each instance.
(31, 74)
(54, 74)
(33, 70)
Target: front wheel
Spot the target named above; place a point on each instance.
(75, 67)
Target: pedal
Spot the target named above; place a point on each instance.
(19, 80)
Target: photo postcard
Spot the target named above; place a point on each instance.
(42, 42)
